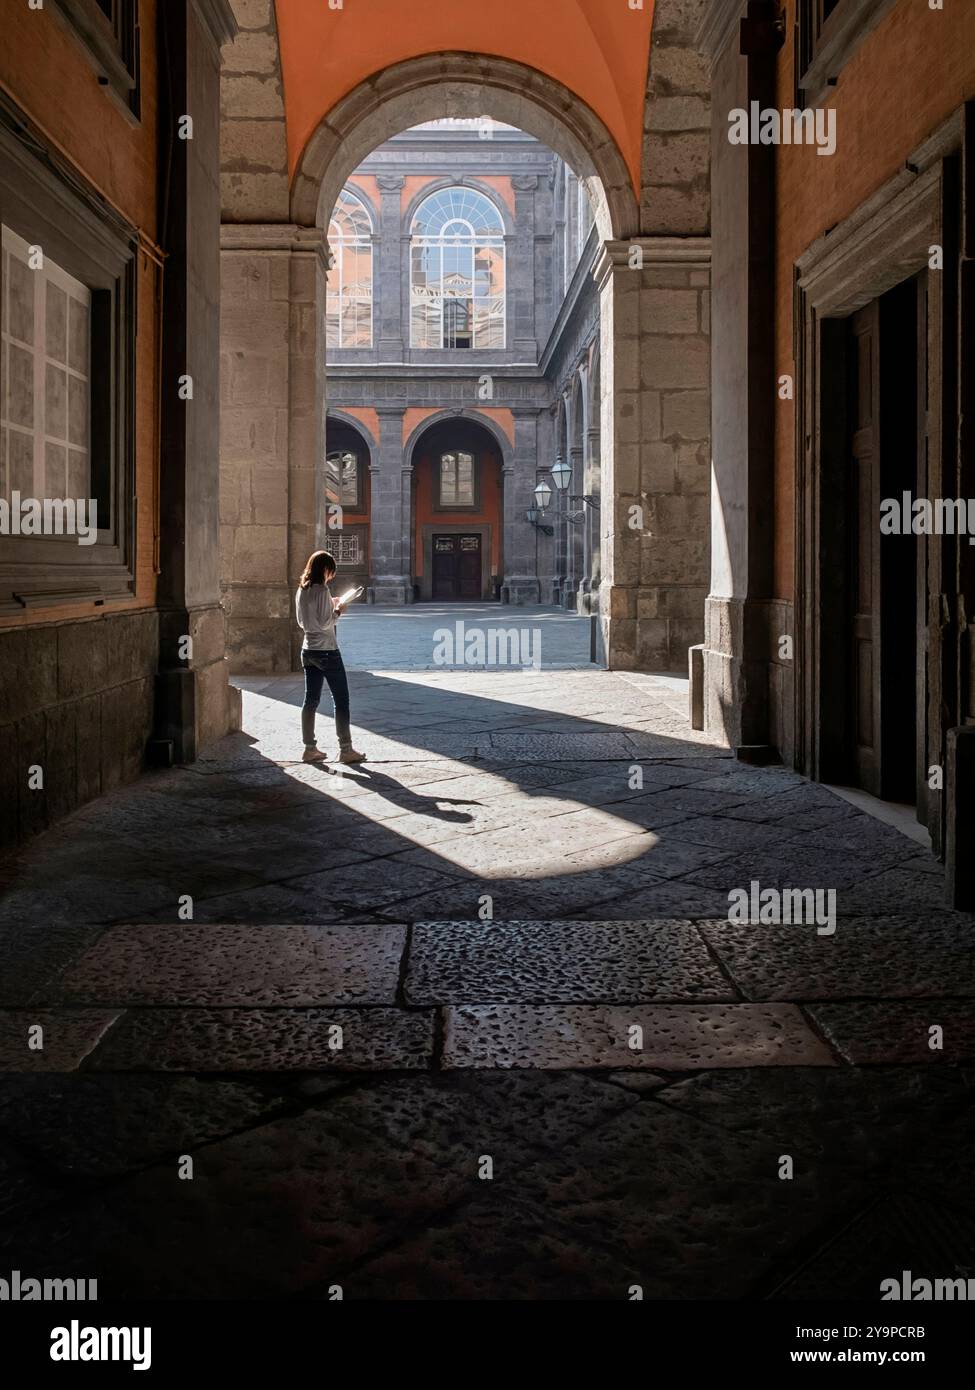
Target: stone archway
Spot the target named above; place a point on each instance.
(464, 85)
(653, 276)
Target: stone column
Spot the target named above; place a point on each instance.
(390, 271)
(307, 275)
(194, 704)
(391, 479)
(521, 273)
(654, 377)
(520, 576)
(255, 374)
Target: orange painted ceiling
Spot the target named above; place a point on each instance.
(599, 49)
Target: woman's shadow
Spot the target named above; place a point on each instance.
(395, 792)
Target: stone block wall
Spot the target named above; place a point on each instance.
(254, 436)
(655, 416)
(253, 138)
(81, 710)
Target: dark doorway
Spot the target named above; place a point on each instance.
(883, 631)
(456, 567)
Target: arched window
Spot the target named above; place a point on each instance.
(348, 306)
(457, 272)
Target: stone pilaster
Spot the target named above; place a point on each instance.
(390, 270)
(520, 577)
(521, 289)
(270, 440)
(391, 479)
(740, 621)
(194, 705)
(575, 530)
(654, 446)
(589, 585)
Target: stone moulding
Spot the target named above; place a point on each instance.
(464, 84)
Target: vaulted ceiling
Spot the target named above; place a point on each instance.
(598, 50)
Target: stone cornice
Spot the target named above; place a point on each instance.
(219, 19)
(718, 24)
(693, 252)
(271, 236)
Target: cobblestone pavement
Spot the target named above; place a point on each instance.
(470, 1021)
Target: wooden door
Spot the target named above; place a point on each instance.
(887, 630)
(864, 495)
(456, 568)
(469, 567)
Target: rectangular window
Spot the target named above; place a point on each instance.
(45, 378)
(342, 479)
(828, 33)
(67, 401)
(108, 31)
(457, 480)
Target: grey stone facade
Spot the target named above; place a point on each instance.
(551, 322)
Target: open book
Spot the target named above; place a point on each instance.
(348, 596)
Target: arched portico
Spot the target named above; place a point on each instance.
(653, 294)
(469, 86)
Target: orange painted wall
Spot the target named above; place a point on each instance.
(597, 49)
(48, 75)
(907, 77)
(369, 186)
(489, 511)
(415, 415)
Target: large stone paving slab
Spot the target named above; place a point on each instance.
(498, 1247)
(268, 1040)
(268, 1213)
(897, 957)
(67, 1037)
(674, 1037)
(931, 1239)
(518, 899)
(232, 965)
(32, 955)
(526, 962)
(23, 1190)
(101, 1126)
(654, 898)
(840, 1116)
(650, 1199)
(868, 1033)
(454, 1118)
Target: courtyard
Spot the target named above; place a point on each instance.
(470, 1020)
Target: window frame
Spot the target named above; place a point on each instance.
(112, 46)
(424, 242)
(336, 246)
(355, 507)
(475, 504)
(44, 201)
(824, 45)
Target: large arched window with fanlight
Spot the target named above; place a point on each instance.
(348, 307)
(457, 289)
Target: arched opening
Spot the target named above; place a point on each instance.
(464, 86)
(347, 500)
(457, 532)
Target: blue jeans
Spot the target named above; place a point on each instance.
(325, 668)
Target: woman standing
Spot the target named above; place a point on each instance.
(321, 659)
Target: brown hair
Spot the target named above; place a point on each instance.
(320, 568)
